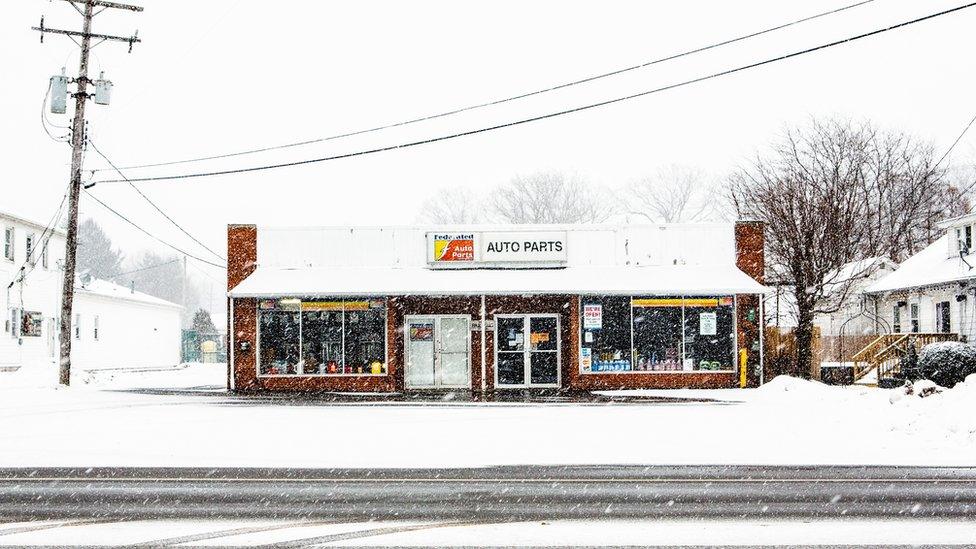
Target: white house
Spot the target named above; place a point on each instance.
(934, 291)
(856, 315)
(30, 295)
(117, 327)
(113, 326)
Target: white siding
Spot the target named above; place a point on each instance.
(130, 334)
(40, 292)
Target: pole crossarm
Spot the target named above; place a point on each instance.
(128, 39)
(108, 5)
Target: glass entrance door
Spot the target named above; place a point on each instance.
(527, 350)
(438, 349)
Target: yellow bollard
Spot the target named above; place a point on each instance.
(743, 361)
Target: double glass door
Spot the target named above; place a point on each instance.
(527, 350)
(438, 351)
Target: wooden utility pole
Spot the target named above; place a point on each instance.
(87, 11)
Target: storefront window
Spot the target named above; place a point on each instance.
(335, 337)
(606, 334)
(657, 334)
(710, 337)
(280, 342)
(365, 337)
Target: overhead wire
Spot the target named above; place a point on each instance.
(154, 266)
(555, 114)
(153, 204)
(150, 235)
(23, 271)
(511, 98)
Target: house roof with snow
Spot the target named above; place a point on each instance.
(935, 265)
(667, 259)
(105, 289)
(21, 220)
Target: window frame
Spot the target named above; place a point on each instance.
(77, 326)
(95, 327)
(684, 353)
(913, 318)
(29, 247)
(9, 243)
(300, 371)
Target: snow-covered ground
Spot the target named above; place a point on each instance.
(186, 419)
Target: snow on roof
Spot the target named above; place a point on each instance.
(932, 266)
(104, 288)
(21, 220)
(651, 280)
(666, 259)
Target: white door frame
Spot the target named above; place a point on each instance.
(437, 350)
(527, 351)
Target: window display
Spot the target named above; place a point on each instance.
(279, 336)
(334, 337)
(657, 334)
(606, 334)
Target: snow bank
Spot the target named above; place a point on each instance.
(788, 421)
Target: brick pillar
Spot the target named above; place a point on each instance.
(242, 253)
(242, 257)
(750, 259)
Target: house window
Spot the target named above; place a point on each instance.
(968, 237)
(896, 319)
(942, 317)
(29, 246)
(95, 327)
(8, 243)
(913, 317)
(77, 326)
(14, 323)
(44, 257)
(322, 337)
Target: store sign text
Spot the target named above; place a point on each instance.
(497, 249)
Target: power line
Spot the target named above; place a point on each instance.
(139, 270)
(21, 274)
(549, 115)
(506, 99)
(150, 235)
(153, 204)
(956, 142)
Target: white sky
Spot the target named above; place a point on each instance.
(221, 75)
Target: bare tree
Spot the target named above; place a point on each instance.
(908, 195)
(811, 194)
(675, 194)
(453, 206)
(550, 197)
(833, 194)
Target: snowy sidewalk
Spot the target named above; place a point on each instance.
(187, 420)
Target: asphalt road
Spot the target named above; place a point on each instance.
(491, 493)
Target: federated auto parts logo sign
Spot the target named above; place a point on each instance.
(453, 247)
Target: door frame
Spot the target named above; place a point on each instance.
(437, 351)
(527, 351)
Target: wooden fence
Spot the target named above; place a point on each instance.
(780, 353)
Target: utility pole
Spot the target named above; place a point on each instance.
(87, 11)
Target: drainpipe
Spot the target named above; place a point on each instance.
(484, 342)
(762, 340)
